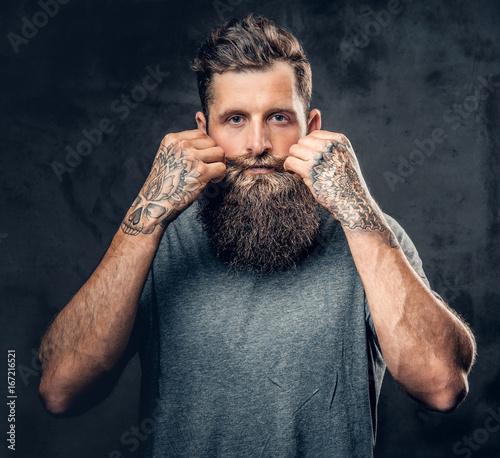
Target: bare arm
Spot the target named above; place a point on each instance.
(426, 347)
(87, 340)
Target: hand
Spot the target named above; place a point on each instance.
(327, 164)
(183, 166)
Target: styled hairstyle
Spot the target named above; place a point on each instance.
(254, 43)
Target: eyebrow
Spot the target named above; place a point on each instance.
(276, 109)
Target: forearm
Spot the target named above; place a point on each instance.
(89, 336)
(87, 340)
(426, 347)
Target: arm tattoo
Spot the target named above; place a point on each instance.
(172, 185)
(337, 184)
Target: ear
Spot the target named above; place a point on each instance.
(314, 121)
(201, 121)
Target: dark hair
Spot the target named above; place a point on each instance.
(254, 43)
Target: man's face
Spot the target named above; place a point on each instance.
(264, 218)
(257, 112)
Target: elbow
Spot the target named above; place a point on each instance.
(447, 402)
(63, 397)
(55, 401)
(54, 406)
(449, 395)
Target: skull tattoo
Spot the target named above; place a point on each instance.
(169, 188)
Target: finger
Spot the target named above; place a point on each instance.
(301, 152)
(198, 143)
(215, 171)
(314, 143)
(327, 135)
(292, 164)
(218, 179)
(187, 135)
(332, 136)
(208, 155)
(191, 134)
(321, 145)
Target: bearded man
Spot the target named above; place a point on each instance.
(265, 313)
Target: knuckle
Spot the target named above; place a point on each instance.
(218, 171)
(184, 145)
(169, 138)
(329, 144)
(190, 158)
(202, 167)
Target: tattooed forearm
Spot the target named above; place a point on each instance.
(172, 184)
(338, 187)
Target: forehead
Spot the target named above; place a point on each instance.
(257, 89)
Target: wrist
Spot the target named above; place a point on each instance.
(370, 234)
(142, 244)
(145, 217)
(359, 215)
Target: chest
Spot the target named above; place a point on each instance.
(285, 327)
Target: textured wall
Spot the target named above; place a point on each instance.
(405, 81)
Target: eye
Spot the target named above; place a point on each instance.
(235, 119)
(279, 118)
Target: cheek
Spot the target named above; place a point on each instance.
(282, 143)
(230, 148)
(230, 143)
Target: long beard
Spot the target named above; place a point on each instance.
(262, 223)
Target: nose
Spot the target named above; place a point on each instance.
(258, 139)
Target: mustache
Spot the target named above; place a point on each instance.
(250, 160)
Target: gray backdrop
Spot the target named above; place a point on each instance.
(415, 86)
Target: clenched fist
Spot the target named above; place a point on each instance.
(329, 167)
(183, 166)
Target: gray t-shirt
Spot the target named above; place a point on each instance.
(243, 365)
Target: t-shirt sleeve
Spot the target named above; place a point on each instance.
(411, 254)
